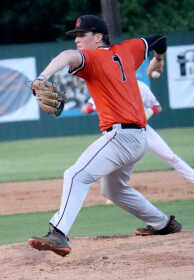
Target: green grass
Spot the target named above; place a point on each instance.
(48, 158)
(98, 220)
(40, 158)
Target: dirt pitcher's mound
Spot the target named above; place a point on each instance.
(169, 257)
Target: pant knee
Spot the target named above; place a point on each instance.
(78, 176)
(173, 158)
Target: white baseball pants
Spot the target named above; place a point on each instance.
(112, 158)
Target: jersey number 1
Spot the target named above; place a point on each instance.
(117, 59)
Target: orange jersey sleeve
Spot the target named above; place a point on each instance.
(110, 75)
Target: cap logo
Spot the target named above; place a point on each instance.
(77, 24)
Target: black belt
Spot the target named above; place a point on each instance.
(126, 125)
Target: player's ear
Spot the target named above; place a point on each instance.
(99, 37)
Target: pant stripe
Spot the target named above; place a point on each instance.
(81, 171)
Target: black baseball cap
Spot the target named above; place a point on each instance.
(88, 23)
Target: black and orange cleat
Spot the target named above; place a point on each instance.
(54, 241)
(173, 226)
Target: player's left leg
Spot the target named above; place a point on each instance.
(115, 187)
(158, 146)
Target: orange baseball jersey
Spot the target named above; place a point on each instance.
(110, 75)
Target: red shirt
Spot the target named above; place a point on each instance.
(110, 75)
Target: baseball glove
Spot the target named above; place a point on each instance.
(50, 100)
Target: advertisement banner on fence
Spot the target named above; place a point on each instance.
(180, 72)
(16, 100)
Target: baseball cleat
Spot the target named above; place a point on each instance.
(173, 226)
(54, 241)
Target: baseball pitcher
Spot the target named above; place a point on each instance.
(109, 72)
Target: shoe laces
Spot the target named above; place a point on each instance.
(48, 234)
(55, 230)
(149, 227)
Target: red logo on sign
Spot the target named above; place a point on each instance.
(77, 24)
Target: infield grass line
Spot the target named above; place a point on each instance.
(100, 220)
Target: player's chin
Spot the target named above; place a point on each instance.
(80, 47)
